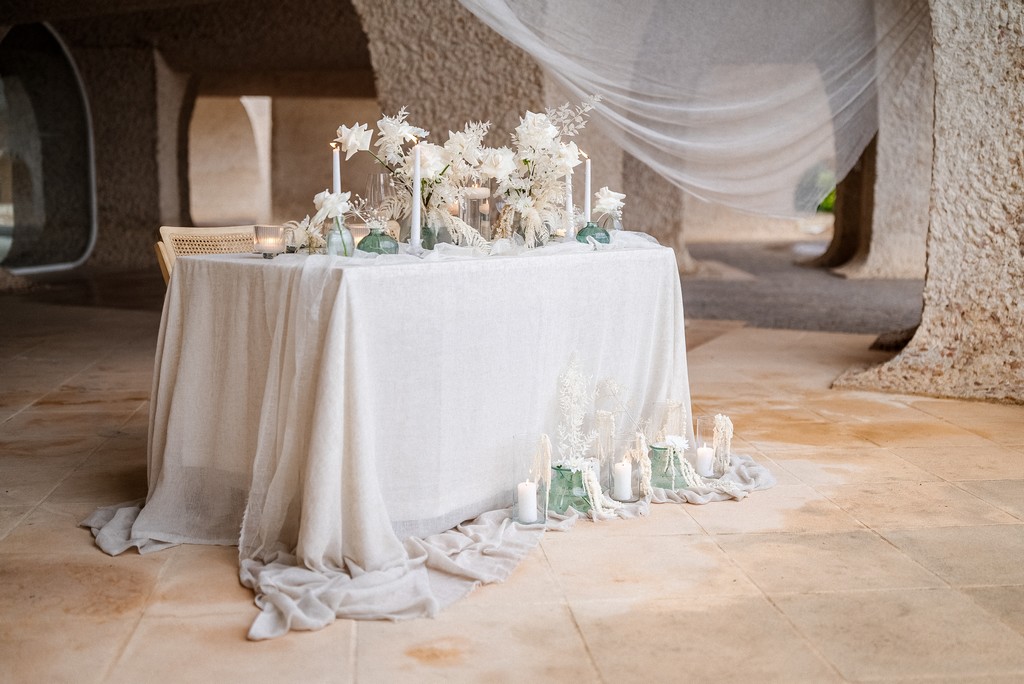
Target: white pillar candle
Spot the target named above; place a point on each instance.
(586, 190)
(336, 157)
(527, 502)
(622, 485)
(705, 461)
(414, 220)
(568, 204)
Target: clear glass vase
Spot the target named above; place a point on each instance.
(339, 240)
(378, 242)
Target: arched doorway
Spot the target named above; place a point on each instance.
(47, 196)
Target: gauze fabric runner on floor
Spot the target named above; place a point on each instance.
(336, 418)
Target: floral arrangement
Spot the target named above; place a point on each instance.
(529, 176)
(445, 170)
(534, 188)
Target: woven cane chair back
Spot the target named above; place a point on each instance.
(179, 241)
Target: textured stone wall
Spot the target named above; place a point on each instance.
(971, 340)
(121, 85)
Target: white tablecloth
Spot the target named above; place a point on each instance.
(337, 411)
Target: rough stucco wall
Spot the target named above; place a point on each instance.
(447, 67)
(903, 169)
(971, 340)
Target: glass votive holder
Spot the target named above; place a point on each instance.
(475, 208)
(530, 458)
(623, 473)
(269, 240)
(291, 240)
(705, 451)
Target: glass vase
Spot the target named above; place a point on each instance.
(665, 467)
(378, 242)
(567, 491)
(339, 240)
(595, 231)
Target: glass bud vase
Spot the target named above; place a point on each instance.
(339, 239)
(595, 231)
(378, 242)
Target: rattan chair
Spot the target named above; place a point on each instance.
(179, 241)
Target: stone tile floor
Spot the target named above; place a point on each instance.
(892, 548)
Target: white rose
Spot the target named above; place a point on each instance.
(497, 163)
(608, 201)
(433, 159)
(330, 205)
(536, 131)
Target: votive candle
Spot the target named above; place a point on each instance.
(622, 476)
(527, 502)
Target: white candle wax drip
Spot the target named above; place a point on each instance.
(527, 502)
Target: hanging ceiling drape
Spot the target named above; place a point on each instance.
(757, 104)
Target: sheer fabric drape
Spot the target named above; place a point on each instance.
(757, 105)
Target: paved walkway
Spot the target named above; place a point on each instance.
(889, 550)
(760, 284)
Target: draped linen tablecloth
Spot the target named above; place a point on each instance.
(336, 417)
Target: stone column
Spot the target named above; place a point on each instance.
(903, 167)
(971, 340)
(447, 67)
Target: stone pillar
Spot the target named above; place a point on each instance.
(971, 340)
(855, 195)
(447, 67)
(903, 167)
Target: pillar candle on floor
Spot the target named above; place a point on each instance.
(527, 492)
(622, 476)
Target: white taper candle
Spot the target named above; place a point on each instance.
(414, 220)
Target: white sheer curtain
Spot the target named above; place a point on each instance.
(757, 104)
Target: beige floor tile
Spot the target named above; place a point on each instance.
(644, 568)
(531, 643)
(10, 516)
(924, 431)
(1001, 423)
(1005, 494)
(866, 407)
(966, 556)
(701, 639)
(899, 505)
(72, 399)
(62, 650)
(890, 634)
(52, 529)
(199, 580)
(779, 471)
(827, 466)
(214, 648)
(783, 508)
(799, 435)
(102, 485)
(33, 423)
(991, 462)
(1005, 602)
(837, 561)
(36, 586)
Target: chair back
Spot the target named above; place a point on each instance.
(181, 241)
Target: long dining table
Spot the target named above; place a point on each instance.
(329, 414)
